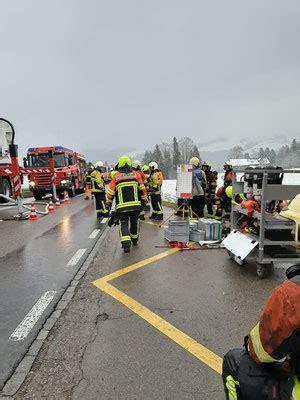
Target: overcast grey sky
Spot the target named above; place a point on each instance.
(125, 74)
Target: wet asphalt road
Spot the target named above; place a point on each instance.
(33, 260)
(101, 349)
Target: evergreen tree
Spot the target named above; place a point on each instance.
(294, 145)
(195, 153)
(176, 154)
(247, 156)
(267, 153)
(167, 164)
(272, 157)
(148, 157)
(157, 156)
(261, 153)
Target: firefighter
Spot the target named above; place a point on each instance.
(223, 199)
(98, 189)
(87, 179)
(128, 189)
(136, 166)
(156, 180)
(211, 179)
(146, 171)
(198, 188)
(228, 176)
(269, 367)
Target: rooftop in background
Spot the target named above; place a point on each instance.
(244, 162)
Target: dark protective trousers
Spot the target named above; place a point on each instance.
(156, 205)
(101, 209)
(246, 380)
(129, 227)
(209, 200)
(198, 203)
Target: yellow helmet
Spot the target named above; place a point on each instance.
(136, 164)
(206, 164)
(145, 168)
(124, 161)
(228, 192)
(195, 161)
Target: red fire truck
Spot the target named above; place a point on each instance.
(69, 168)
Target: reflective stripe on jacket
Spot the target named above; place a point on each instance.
(128, 189)
(97, 182)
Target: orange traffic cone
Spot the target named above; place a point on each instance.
(51, 208)
(57, 204)
(33, 215)
(66, 197)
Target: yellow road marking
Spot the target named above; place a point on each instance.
(135, 266)
(205, 355)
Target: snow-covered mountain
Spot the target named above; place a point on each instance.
(250, 145)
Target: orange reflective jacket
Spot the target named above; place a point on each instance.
(128, 188)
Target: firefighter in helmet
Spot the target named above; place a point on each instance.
(198, 188)
(269, 367)
(136, 166)
(156, 181)
(228, 176)
(98, 189)
(128, 189)
(210, 191)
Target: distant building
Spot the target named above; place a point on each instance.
(245, 162)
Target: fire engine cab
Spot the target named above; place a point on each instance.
(69, 168)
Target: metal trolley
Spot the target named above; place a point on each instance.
(267, 222)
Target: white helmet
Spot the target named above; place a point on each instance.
(136, 164)
(99, 164)
(153, 165)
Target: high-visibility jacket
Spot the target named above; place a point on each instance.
(128, 188)
(87, 177)
(278, 332)
(97, 182)
(143, 177)
(155, 182)
(161, 178)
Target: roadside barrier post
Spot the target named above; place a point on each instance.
(51, 166)
(16, 179)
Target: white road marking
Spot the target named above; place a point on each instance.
(104, 220)
(94, 234)
(77, 256)
(21, 332)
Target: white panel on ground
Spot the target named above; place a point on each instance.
(239, 244)
(21, 332)
(104, 220)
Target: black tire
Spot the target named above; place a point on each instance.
(231, 255)
(72, 190)
(38, 195)
(6, 189)
(263, 270)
